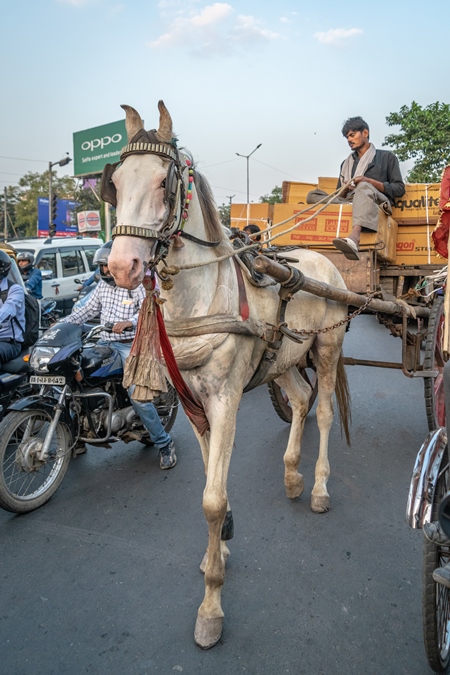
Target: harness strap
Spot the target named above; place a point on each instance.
(244, 309)
(135, 231)
(154, 148)
(196, 240)
(192, 406)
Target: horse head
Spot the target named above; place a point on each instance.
(148, 188)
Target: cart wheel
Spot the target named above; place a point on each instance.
(435, 597)
(434, 360)
(280, 399)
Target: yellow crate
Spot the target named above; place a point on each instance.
(328, 185)
(415, 246)
(334, 221)
(259, 214)
(419, 205)
(295, 193)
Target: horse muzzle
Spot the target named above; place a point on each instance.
(127, 261)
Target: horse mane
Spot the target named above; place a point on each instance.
(215, 231)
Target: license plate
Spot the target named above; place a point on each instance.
(47, 379)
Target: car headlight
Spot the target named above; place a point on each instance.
(40, 356)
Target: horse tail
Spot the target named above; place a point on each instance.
(343, 398)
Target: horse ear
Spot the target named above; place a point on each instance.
(165, 132)
(133, 122)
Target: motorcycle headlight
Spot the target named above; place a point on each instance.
(40, 356)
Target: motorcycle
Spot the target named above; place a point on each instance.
(81, 400)
(429, 501)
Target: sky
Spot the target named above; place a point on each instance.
(284, 74)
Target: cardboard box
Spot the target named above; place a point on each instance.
(295, 193)
(259, 214)
(334, 221)
(415, 246)
(419, 205)
(328, 185)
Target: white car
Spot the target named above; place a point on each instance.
(61, 261)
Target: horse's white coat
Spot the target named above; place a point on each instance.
(220, 381)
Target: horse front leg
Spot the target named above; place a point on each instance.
(227, 528)
(208, 627)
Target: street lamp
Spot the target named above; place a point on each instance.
(62, 162)
(247, 157)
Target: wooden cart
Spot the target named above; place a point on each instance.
(398, 263)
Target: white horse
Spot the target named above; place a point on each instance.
(149, 210)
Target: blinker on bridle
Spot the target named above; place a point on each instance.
(174, 191)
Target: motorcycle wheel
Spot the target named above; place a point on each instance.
(435, 597)
(167, 406)
(26, 483)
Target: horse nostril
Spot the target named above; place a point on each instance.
(135, 264)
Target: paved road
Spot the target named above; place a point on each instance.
(104, 578)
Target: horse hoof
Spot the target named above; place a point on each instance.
(295, 489)
(207, 631)
(320, 504)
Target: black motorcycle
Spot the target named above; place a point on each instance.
(81, 400)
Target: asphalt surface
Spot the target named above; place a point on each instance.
(105, 577)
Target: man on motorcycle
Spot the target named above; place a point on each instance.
(12, 313)
(121, 308)
(32, 277)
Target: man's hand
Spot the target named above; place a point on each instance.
(363, 179)
(120, 326)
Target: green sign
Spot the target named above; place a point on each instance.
(93, 148)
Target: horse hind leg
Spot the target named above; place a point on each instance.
(299, 392)
(326, 358)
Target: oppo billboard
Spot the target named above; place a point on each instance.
(93, 148)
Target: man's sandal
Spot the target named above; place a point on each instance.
(347, 247)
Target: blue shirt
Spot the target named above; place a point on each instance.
(33, 283)
(13, 308)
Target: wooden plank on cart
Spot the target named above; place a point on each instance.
(360, 276)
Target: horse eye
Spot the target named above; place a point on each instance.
(163, 184)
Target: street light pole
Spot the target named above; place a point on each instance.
(247, 157)
(5, 213)
(62, 162)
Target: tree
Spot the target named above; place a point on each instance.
(273, 198)
(33, 185)
(224, 214)
(22, 200)
(424, 137)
